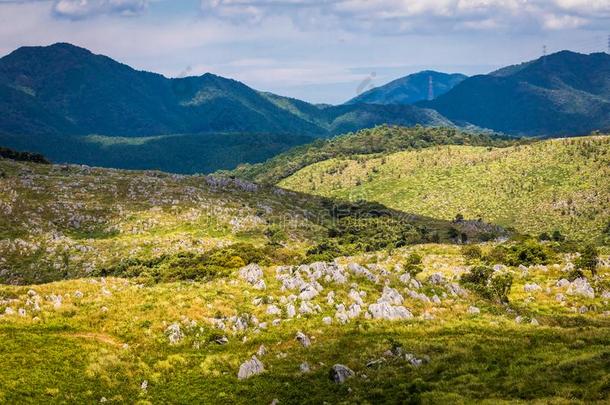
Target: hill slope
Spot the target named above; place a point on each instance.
(69, 221)
(561, 94)
(410, 89)
(381, 139)
(543, 186)
(154, 302)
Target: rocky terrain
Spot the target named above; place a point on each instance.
(352, 330)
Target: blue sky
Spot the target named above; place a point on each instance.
(317, 50)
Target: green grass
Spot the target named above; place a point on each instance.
(545, 186)
(170, 248)
(77, 353)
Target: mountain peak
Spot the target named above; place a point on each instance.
(410, 89)
(63, 47)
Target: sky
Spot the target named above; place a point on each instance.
(322, 51)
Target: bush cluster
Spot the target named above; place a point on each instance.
(483, 280)
(22, 156)
(200, 267)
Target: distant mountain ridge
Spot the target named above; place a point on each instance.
(410, 89)
(64, 89)
(565, 93)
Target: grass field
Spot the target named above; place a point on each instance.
(108, 336)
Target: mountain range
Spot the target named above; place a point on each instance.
(76, 106)
(64, 89)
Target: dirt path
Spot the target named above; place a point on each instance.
(100, 337)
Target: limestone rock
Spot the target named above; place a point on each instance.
(340, 373)
(250, 368)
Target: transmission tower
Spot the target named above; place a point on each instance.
(544, 50)
(430, 88)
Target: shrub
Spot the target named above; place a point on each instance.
(588, 259)
(543, 237)
(490, 285)
(574, 274)
(190, 266)
(324, 251)
(472, 252)
(527, 252)
(478, 275)
(412, 264)
(453, 233)
(275, 235)
(557, 236)
(500, 285)
(414, 259)
(498, 254)
(22, 156)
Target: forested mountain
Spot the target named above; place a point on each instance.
(565, 93)
(75, 106)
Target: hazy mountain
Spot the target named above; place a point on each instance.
(410, 89)
(565, 93)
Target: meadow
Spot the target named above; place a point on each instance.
(115, 340)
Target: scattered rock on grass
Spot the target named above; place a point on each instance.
(340, 373)
(303, 339)
(250, 368)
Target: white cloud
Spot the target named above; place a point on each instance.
(79, 9)
(404, 16)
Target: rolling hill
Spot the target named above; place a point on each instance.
(410, 89)
(565, 93)
(379, 140)
(530, 186)
(62, 221)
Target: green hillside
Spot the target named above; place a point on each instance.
(381, 139)
(541, 187)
